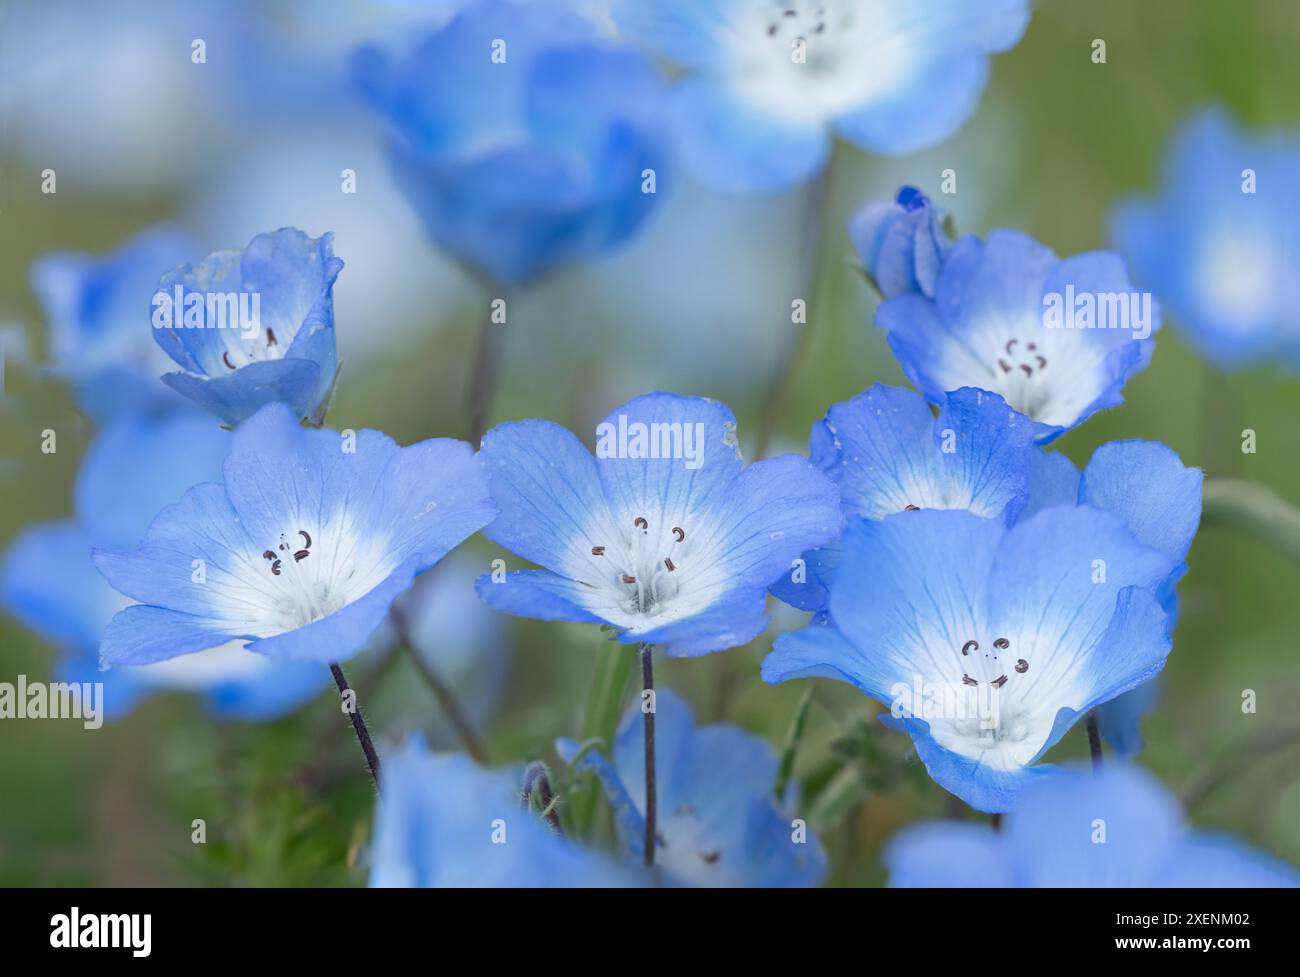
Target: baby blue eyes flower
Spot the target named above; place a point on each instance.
(901, 243)
(1056, 339)
(887, 452)
(300, 551)
(1117, 829)
(987, 642)
(718, 824)
(767, 84)
(522, 136)
(139, 464)
(665, 535)
(444, 822)
(254, 326)
(96, 310)
(1220, 245)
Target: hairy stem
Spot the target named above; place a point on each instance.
(358, 723)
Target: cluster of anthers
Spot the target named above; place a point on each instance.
(643, 578)
(987, 663)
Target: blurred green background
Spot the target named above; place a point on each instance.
(1056, 142)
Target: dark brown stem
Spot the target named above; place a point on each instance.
(648, 717)
(447, 701)
(358, 723)
(797, 337)
(1094, 741)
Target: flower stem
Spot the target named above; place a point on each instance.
(1094, 741)
(447, 701)
(487, 369)
(358, 724)
(812, 244)
(648, 716)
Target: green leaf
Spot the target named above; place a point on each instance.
(1255, 509)
(792, 738)
(600, 720)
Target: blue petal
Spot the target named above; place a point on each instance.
(141, 635)
(270, 693)
(1120, 719)
(1054, 481)
(1210, 861)
(545, 486)
(536, 593)
(817, 651)
(686, 31)
(48, 582)
(1114, 828)
(444, 822)
(347, 631)
(140, 464)
(1146, 484)
(234, 397)
(947, 855)
(732, 146)
(734, 619)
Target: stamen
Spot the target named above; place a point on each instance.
(1010, 344)
(275, 568)
(628, 579)
(225, 358)
(1022, 666)
(970, 646)
(1005, 368)
(270, 337)
(710, 856)
(669, 564)
(640, 522)
(1029, 370)
(598, 551)
(679, 533)
(1002, 643)
(998, 682)
(911, 508)
(301, 555)
(967, 680)
(306, 538)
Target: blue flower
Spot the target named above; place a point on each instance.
(1117, 829)
(767, 84)
(96, 308)
(302, 549)
(139, 464)
(988, 642)
(444, 822)
(1056, 339)
(1221, 244)
(521, 135)
(252, 327)
(887, 453)
(718, 824)
(1145, 484)
(901, 243)
(665, 535)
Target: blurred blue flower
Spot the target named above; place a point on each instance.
(665, 535)
(1146, 484)
(887, 453)
(520, 134)
(442, 821)
(768, 83)
(718, 823)
(987, 642)
(252, 327)
(47, 580)
(1056, 339)
(1118, 828)
(301, 550)
(901, 243)
(1220, 245)
(97, 311)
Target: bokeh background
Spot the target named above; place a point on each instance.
(255, 139)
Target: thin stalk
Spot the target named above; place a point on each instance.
(358, 724)
(1094, 741)
(487, 370)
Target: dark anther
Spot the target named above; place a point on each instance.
(301, 555)
(970, 646)
(679, 533)
(1029, 370)
(628, 579)
(275, 568)
(771, 30)
(1041, 362)
(1022, 666)
(1032, 347)
(598, 551)
(669, 564)
(1010, 344)
(306, 540)
(225, 358)
(911, 508)
(268, 555)
(640, 522)
(967, 680)
(270, 337)
(1005, 368)
(710, 856)
(998, 682)
(1002, 643)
